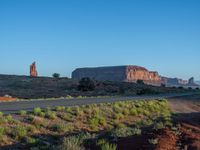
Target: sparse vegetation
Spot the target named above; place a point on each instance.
(116, 120)
(125, 132)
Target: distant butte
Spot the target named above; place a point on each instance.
(127, 73)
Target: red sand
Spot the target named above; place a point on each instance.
(7, 99)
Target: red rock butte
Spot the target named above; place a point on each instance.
(127, 73)
(33, 70)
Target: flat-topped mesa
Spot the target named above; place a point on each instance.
(118, 73)
(33, 70)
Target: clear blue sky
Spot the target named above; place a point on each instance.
(61, 35)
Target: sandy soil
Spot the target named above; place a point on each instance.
(187, 111)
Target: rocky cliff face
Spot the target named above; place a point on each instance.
(118, 73)
(134, 73)
(101, 73)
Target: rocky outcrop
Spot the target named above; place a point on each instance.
(173, 81)
(118, 73)
(191, 81)
(33, 70)
(178, 82)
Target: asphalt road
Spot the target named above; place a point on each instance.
(14, 107)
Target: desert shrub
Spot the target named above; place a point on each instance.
(133, 112)
(31, 129)
(9, 119)
(71, 143)
(66, 117)
(159, 125)
(144, 123)
(68, 97)
(22, 112)
(95, 111)
(19, 132)
(86, 84)
(60, 108)
(69, 110)
(125, 132)
(77, 111)
(153, 141)
(1, 114)
(50, 115)
(56, 75)
(61, 127)
(108, 146)
(94, 123)
(125, 112)
(2, 132)
(30, 140)
(118, 116)
(104, 145)
(146, 113)
(102, 121)
(37, 110)
(41, 114)
(117, 108)
(118, 124)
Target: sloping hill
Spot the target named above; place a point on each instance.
(45, 87)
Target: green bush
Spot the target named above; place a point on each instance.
(125, 112)
(133, 112)
(22, 112)
(118, 116)
(108, 146)
(50, 115)
(10, 119)
(104, 145)
(37, 110)
(94, 123)
(60, 108)
(1, 114)
(19, 132)
(2, 132)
